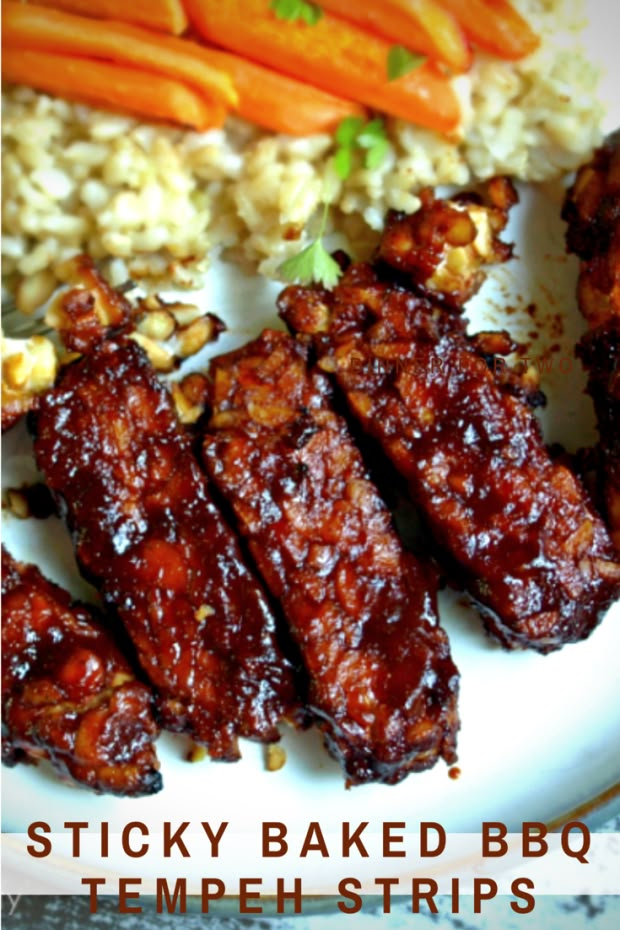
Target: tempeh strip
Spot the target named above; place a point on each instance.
(529, 546)
(147, 532)
(592, 212)
(599, 350)
(361, 610)
(68, 693)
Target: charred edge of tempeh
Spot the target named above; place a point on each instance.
(68, 693)
(592, 212)
(148, 534)
(599, 350)
(362, 611)
(591, 205)
(533, 552)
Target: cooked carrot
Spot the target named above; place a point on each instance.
(111, 86)
(277, 102)
(420, 25)
(334, 55)
(35, 27)
(161, 15)
(495, 26)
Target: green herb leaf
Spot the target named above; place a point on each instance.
(371, 133)
(348, 130)
(292, 10)
(354, 135)
(375, 155)
(313, 265)
(343, 163)
(401, 61)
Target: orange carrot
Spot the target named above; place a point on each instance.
(111, 86)
(161, 15)
(35, 27)
(420, 25)
(333, 55)
(278, 102)
(495, 26)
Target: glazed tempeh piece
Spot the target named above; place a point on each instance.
(68, 693)
(441, 249)
(361, 610)
(91, 310)
(599, 351)
(86, 313)
(530, 548)
(147, 532)
(592, 211)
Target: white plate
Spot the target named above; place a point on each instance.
(539, 735)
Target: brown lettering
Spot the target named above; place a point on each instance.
(579, 854)
(423, 889)
(353, 839)
(105, 835)
(274, 832)
(282, 896)
(480, 894)
(34, 833)
(314, 841)
(345, 887)
(387, 884)
(124, 895)
(493, 834)
(529, 900)
(127, 847)
(174, 839)
(456, 901)
(425, 849)
(92, 897)
(208, 895)
(534, 834)
(389, 839)
(162, 892)
(246, 895)
(214, 838)
(76, 828)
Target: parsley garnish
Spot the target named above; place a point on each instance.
(292, 10)
(314, 264)
(401, 61)
(354, 135)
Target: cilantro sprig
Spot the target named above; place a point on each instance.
(401, 61)
(293, 10)
(355, 135)
(314, 264)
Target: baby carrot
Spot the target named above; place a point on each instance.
(277, 102)
(495, 26)
(111, 86)
(334, 55)
(420, 25)
(162, 15)
(34, 27)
